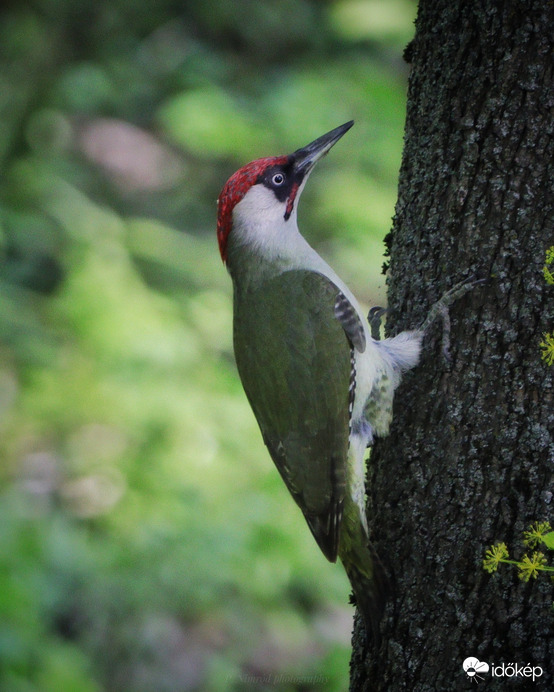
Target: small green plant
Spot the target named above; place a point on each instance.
(547, 343)
(548, 275)
(540, 533)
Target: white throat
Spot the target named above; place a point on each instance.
(259, 224)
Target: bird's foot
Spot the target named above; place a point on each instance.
(441, 310)
(374, 319)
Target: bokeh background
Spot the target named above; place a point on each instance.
(147, 543)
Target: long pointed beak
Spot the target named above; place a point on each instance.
(306, 158)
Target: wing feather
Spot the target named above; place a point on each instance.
(348, 316)
(294, 360)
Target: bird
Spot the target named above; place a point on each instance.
(319, 381)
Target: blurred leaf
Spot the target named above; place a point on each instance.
(390, 22)
(207, 122)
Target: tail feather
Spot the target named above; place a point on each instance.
(366, 574)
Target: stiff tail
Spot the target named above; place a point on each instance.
(365, 572)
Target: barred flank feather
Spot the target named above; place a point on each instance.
(351, 389)
(348, 316)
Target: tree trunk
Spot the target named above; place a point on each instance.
(469, 461)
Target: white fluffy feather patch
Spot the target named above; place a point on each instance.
(404, 349)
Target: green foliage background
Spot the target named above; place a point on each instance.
(146, 541)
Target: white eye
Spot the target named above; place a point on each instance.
(278, 179)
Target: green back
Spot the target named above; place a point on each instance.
(294, 360)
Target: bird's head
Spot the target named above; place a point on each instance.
(263, 194)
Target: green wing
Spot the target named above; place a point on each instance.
(294, 360)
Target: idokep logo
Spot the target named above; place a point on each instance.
(476, 670)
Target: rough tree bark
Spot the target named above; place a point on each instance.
(470, 458)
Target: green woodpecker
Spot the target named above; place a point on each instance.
(320, 386)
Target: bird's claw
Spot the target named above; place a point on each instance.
(441, 310)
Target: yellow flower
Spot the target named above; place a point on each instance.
(530, 566)
(494, 556)
(547, 345)
(533, 537)
(549, 277)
